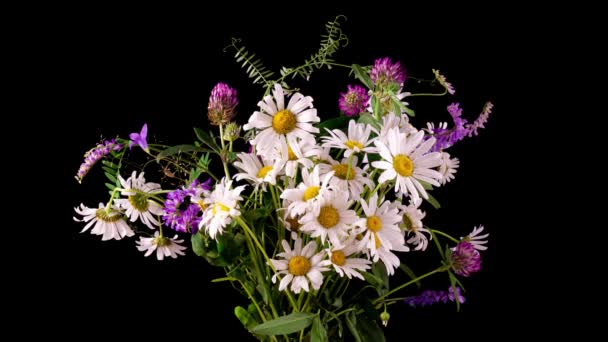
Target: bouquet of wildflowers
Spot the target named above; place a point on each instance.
(308, 216)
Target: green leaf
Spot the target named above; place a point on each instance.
(453, 282)
(245, 317)
(206, 139)
(111, 177)
(369, 330)
(409, 273)
(377, 106)
(109, 164)
(334, 123)
(433, 201)
(425, 185)
(368, 118)
(379, 272)
(362, 76)
(285, 325)
(318, 332)
(110, 186)
(198, 245)
(351, 322)
(173, 150)
(408, 111)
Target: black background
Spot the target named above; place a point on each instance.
(125, 70)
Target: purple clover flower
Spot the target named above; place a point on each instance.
(140, 138)
(465, 259)
(385, 72)
(354, 101)
(222, 104)
(180, 213)
(94, 155)
(431, 297)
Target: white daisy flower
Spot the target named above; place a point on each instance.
(221, 207)
(345, 266)
(401, 122)
(357, 140)
(347, 179)
(300, 266)
(381, 227)
(447, 168)
(278, 125)
(164, 247)
(257, 172)
(108, 223)
(406, 160)
(413, 227)
(388, 258)
(293, 156)
(308, 193)
(333, 220)
(478, 241)
(138, 204)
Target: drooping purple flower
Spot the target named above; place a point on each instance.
(93, 155)
(447, 137)
(385, 72)
(140, 138)
(430, 297)
(222, 104)
(465, 259)
(481, 119)
(181, 213)
(354, 101)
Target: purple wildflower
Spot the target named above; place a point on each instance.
(465, 259)
(140, 138)
(222, 103)
(385, 72)
(94, 155)
(354, 101)
(448, 137)
(180, 213)
(431, 297)
(481, 119)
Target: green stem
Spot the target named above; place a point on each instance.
(444, 234)
(254, 301)
(429, 94)
(402, 286)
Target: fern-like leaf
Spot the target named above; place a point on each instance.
(253, 66)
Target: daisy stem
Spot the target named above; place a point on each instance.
(402, 286)
(308, 296)
(223, 156)
(255, 302)
(444, 234)
(429, 94)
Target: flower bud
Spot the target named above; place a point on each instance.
(222, 104)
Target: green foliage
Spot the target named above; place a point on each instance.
(245, 317)
(173, 150)
(222, 252)
(318, 333)
(362, 75)
(207, 139)
(253, 66)
(111, 171)
(285, 324)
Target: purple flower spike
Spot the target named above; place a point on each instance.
(140, 138)
(385, 72)
(94, 155)
(431, 297)
(354, 101)
(465, 259)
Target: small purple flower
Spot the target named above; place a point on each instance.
(462, 128)
(94, 155)
(354, 101)
(385, 72)
(481, 120)
(180, 213)
(430, 297)
(140, 138)
(465, 259)
(222, 104)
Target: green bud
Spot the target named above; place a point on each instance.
(385, 316)
(232, 132)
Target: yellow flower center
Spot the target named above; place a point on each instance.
(338, 258)
(299, 265)
(139, 201)
(219, 206)
(403, 165)
(263, 171)
(284, 122)
(102, 215)
(202, 205)
(162, 241)
(407, 222)
(374, 223)
(311, 192)
(351, 144)
(290, 154)
(377, 241)
(328, 217)
(293, 223)
(341, 171)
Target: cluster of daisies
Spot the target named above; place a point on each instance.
(348, 198)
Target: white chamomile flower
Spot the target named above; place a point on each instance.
(308, 193)
(380, 226)
(350, 179)
(333, 220)
(389, 259)
(478, 241)
(406, 160)
(108, 223)
(357, 140)
(293, 156)
(344, 264)
(401, 122)
(413, 227)
(280, 125)
(447, 168)
(164, 247)
(299, 266)
(221, 207)
(138, 204)
(255, 171)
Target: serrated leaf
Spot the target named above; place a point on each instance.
(284, 325)
(318, 332)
